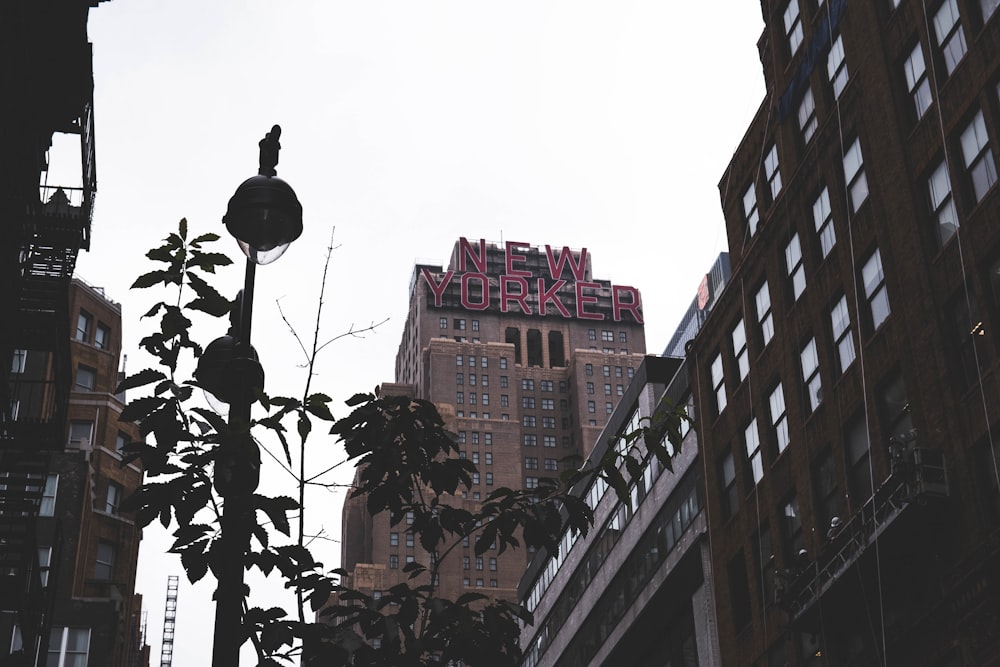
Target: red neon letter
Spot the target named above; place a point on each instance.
(556, 266)
(546, 295)
(632, 306)
(484, 284)
(437, 288)
(465, 250)
(520, 297)
(514, 257)
(582, 301)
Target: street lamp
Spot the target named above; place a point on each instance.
(264, 216)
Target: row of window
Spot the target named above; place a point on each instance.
(620, 389)
(458, 324)
(484, 362)
(86, 332)
(473, 437)
(531, 463)
(588, 369)
(531, 440)
(607, 336)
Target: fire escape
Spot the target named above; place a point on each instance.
(45, 217)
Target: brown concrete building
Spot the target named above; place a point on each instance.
(526, 356)
(847, 381)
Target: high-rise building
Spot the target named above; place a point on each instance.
(847, 380)
(67, 556)
(526, 356)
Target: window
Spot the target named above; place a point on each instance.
(620, 390)
(631, 373)
(607, 389)
(854, 176)
(719, 383)
(607, 336)
(489, 479)
(394, 539)
(460, 397)
(528, 402)
(548, 404)
(988, 7)
(458, 360)
(503, 382)
(479, 583)
(763, 302)
(793, 26)
(530, 463)
(551, 464)
(545, 385)
(875, 293)
(69, 647)
(493, 565)
(19, 361)
(102, 337)
(607, 371)
(807, 116)
(443, 323)
(472, 398)
(528, 421)
(836, 67)
(104, 566)
(608, 409)
(86, 378)
(949, 33)
(751, 438)
(472, 361)
(80, 433)
(527, 384)
(409, 540)
(472, 379)
(530, 440)
(460, 324)
(589, 369)
(916, 80)
(810, 374)
(503, 362)
(590, 387)
(114, 498)
(504, 400)
(823, 217)
(48, 504)
(793, 263)
(475, 458)
(475, 325)
(942, 204)
(591, 407)
(750, 213)
(485, 399)
(393, 561)
(531, 482)
(83, 323)
(591, 334)
(978, 157)
(121, 440)
(459, 379)
(622, 337)
(730, 496)
(764, 557)
(488, 440)
(484, 362)
(409, 518)
(618, 372)
(772, 172)
(779, 420)
(792, 528)
(475, 478)
(840, 318)
(548, 422)
(44, 563)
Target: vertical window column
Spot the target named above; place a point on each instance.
(942, 204)
(854, 175)
(978, 157)
(873, 279)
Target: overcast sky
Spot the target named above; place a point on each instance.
(407, 124)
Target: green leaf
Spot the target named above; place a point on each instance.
(140, 379)
(155, 278)
(275, 509)
(140, 408)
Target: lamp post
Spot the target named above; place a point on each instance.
(264, 216)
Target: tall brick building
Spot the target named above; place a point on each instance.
(526, 356)
(847, 380)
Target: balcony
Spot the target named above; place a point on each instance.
(918, 476)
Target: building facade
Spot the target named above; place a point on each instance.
(526, 356)
(67, 555)
(847, 379)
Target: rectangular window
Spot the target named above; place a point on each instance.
(459, 378)
(607, 389)
(836, 67)
(503, 382)
(589, 369)
(80, 434)
(551, 464)
(83, 323)
(916, 80)
(462, 437)
(443, 323)
(793, 264)
(409, 540)
(591, 407)
(475, 478)
(458, 360)
(608, 409)
(730, 496)
(472, 379)
(590, 387)
(810, 374)
(528, 421)
(527, 384)
(460, 324)
(739, 337)
(489, 479)
(618, 372)
(102, 337)
(622, 337)
(840, 318)
(528, 402)
(607, 336)
(779, 419)
(531, 482)
(620, 390)
(393, 561)
(488, 458)
(68, 647)
(548, 422)
(19, 361)
(472, 398)
(114, 498)
(545, 385)
(504, 400)
(988, 7)
(792, 524)
(978, 157)
(719, 383)
(875, 293)
(607, 371)
(394, 536)
(807, 116)
(530, 463)
(793, 26)
(750, 213)
(484, 362)
(475, 325)
(591, 334)
(86, 378)
(823, 217)
(472, 361)
(950, 36)
(942, 204)
(548, 404)
(854, 175)
(763, 302)
(503, 362)
(121, 440)
(44, 563)
(530, 440)
(104, 565)
(751, 438)
(485, 399)
(487, 438)
(772, 172)
(48, 504)
(460, 397)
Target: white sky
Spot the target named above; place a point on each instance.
(406, 124)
